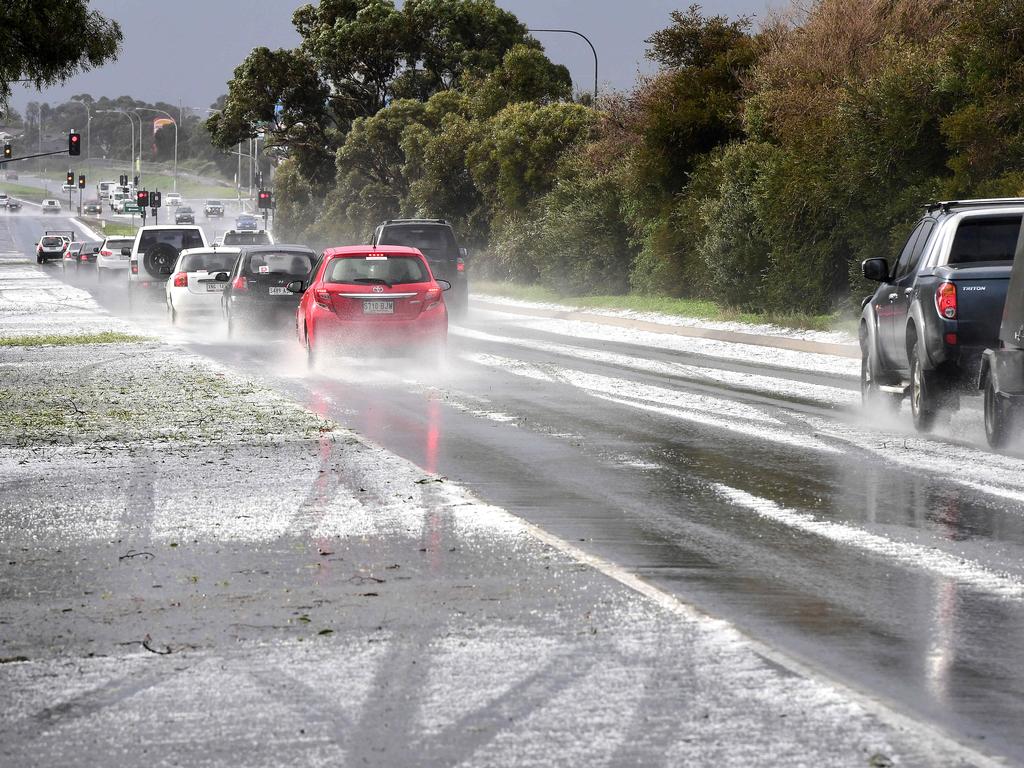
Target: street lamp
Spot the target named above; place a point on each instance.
(171, 118)
(578, 34)
(131, 132)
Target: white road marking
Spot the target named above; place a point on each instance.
(911, 555)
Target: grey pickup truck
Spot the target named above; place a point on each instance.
(938, 308)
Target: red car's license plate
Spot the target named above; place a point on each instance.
(378, 307)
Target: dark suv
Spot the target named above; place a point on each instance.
(435, 239)
(938, 308)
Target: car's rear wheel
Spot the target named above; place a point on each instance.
(928, 393)
(1001, 416)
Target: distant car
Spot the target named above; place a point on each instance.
(69, 262)
(371, 300)
(11, 176)
(184, 215)
(51, 246)
(213, 209)
(68, 187)
(173, 199)
(193, 288)
(257, 294)
(13, 205)
(258, 237)
(247, 222)
(110, 262)
(92, 208)
(4, 199)
(51, 206)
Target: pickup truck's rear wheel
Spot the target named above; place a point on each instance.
(1001, 416)
(927, 393)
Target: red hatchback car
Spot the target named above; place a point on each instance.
(382, 299)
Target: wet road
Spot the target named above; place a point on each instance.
(747, 484)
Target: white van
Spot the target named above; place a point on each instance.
(104, 188)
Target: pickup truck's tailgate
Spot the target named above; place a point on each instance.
(980, 295)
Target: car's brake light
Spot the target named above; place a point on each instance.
(84, 257)
(460, 265)
(432, 298)
(240, 284)
(135, 267)
(106, 253)
(322, 297)
(945, 300)
(181, 280)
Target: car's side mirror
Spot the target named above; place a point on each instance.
(876, 269)
(296, 286)
(464, 253)
(221, 277)
(126, 251)
(95, 249)
(445, 285)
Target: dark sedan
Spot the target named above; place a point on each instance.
(92, 208)
(184, 215)
(257, 293)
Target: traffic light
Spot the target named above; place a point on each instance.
(122, 180)
(154, 200)
(74, 143)
(81, 181)
(265, 199)
(142, 198)
(136, 183)
(71, 177)
(8, 151)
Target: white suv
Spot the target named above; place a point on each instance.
(110, 262)
(154, 252)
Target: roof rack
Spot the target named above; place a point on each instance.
(416, 221)
(946, 205)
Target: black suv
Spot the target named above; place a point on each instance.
(938, 308)
(436, 240)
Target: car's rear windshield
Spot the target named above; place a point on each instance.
(49, 242)
(208, 261)
(213, 202)
(278, 263)
(181, 239)
(989, 238)
(373, 269)
(434, 242)
(116, 245)
(246, 238)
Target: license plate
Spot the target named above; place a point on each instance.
(378, 307)
(279, 290)
(214, 287)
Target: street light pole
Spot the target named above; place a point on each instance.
(578, 34)
(131, 131)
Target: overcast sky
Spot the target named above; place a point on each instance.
(188, 49)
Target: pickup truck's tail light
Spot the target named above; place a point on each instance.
(460, 265)
(240, 284)
(945, 300)
(181, 280)
(135, 267)
(322, 297)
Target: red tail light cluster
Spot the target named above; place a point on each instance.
(945, 300)
(240, 284)
(84, 257)
(181, 280)
(106, 253)
(322, 297)
(431, 298)
(460, 265)
(135, 267)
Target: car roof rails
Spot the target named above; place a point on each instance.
(946, 205)
(416, 221)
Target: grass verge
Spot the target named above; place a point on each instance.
(696, 308)
(165, 184)
(56, 340)
(34, 194)
(111, 228)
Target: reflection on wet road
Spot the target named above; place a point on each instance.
(748, 484)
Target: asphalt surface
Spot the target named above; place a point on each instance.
(744, 481)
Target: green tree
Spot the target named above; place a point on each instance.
(45, 42)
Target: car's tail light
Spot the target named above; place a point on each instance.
(945, 300)
(240, 284)
(84, 257)
(135, 267)
(460, 265)
(322, 297)
(106, 253)
(951, 339)
(431, 298)
(181, 280)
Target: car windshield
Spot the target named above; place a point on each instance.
(990, 238)
(388, 270)
(278, 263)
(207, 261)
(181, 239)
(186, 209)
(432, 241)
(213, 202)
